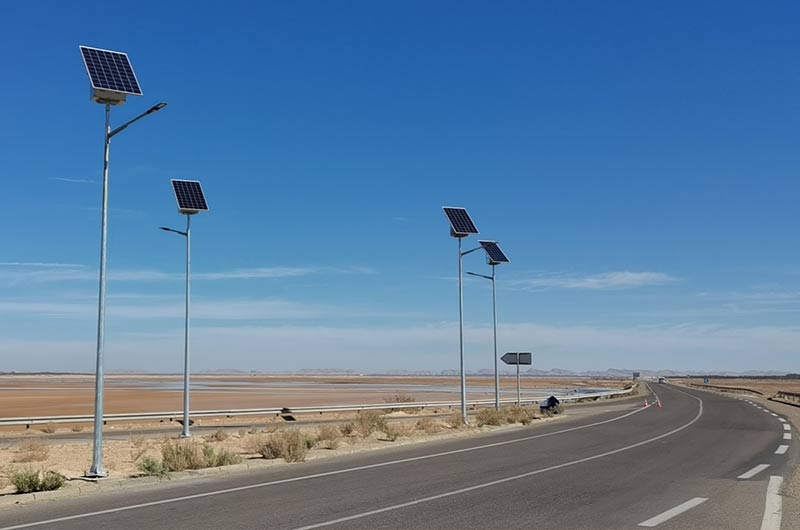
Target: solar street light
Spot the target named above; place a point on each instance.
(495, 257)
(191, 201)
(112, 80)
(461, 226)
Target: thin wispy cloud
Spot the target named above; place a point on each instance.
(606, 281)
(279, 272)
(74, 181)
(44, 264)
(35, 272)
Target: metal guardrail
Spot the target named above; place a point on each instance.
(790, 397)
(732, 389)
(171, 416)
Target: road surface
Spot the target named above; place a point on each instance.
(702, 461)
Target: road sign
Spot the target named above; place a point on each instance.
(516, 358)
(636, 376)
(705, 380)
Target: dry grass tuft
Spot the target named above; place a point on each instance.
(180, 455)
(291, 445)
(218, 436)
(393, 431)
(490, 417)
(328, 436)
(456, 420)
(428, 425)
(369, 421)
(49, 428)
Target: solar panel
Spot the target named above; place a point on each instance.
(189, 195)
(493, 251)
(460, 221)
(110, 71)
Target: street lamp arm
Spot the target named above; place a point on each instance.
(481, 275)
(151, 110)
(166, 229)
(470, 251)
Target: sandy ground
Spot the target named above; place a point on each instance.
(121, 456)
(22, 395)
(768, 387)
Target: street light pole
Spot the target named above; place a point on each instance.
(191, 200)
(185, 433)
(461, 334)
(97, 470)
(494, 328)
(495, 257)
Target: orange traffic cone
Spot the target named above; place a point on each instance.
(645, 403)
(658, 403)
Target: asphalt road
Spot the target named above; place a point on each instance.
(695, 463)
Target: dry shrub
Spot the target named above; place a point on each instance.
(52, 480)
(49, 428)
(290, 445)
(220, 457)
(347, 429)
(252, 444)
(28, 480)
(77, 428)
(219, 436)
(179, 455)
(242, 433)
(396, 430)
(367, 422)
(150, 467)
(402, 397)
(490, 417)
(140, 447)
(519, 415)
(428, 425)
(456, 420)
(328, 436)
(33, 450)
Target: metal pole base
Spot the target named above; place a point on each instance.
(92, 473)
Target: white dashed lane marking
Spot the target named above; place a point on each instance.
(753, 472)
(673, 512)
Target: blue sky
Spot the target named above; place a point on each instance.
(637, 161)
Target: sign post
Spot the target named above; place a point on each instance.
(517, 358)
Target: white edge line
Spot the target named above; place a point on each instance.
(787, 427)
(787, 436)
(321, 475)
(673, 512)
(781, 449)
(773, 509)
(781, 420)
(753, 472)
